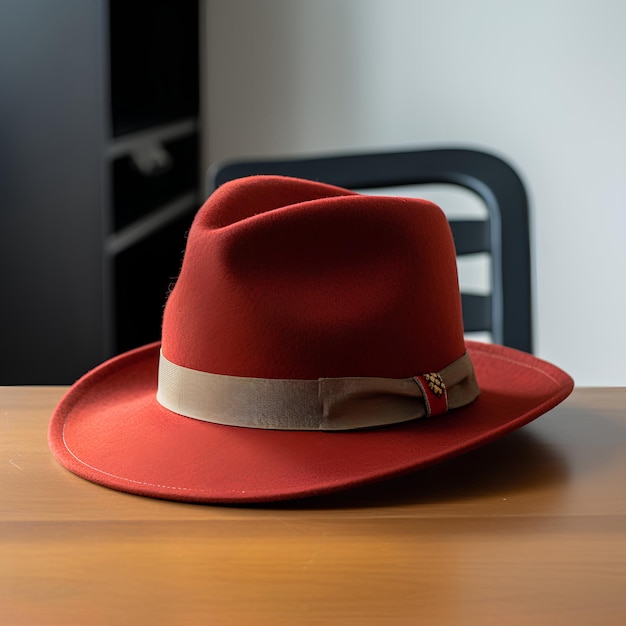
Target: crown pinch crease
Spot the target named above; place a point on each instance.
(321, 404)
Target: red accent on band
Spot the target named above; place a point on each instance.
(436, 402)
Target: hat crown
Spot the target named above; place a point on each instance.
(285, 278)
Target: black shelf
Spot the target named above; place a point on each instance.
(136, 193)
(153, 159)
(144, 275)
(154, 63)
(91, 243)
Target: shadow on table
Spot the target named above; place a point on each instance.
(518, 462)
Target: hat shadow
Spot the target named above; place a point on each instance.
(515, 463)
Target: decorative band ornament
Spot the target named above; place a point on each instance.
(322, 404)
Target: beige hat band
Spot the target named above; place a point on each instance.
(320, 404)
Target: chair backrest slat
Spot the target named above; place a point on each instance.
(471, 236)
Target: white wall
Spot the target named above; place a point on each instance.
(542, 82)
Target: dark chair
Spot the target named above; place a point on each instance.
(506, 312)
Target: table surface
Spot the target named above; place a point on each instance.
(530, 529)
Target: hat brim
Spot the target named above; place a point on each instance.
(110, 429)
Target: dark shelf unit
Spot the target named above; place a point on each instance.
(105, 178)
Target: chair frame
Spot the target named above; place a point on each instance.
(491, 178)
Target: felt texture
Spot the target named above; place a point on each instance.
(296, 285)
(292, 279)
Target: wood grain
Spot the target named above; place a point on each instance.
(529, 529)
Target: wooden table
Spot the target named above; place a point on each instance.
(528, 530)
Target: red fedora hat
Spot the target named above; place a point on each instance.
(313, 342)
